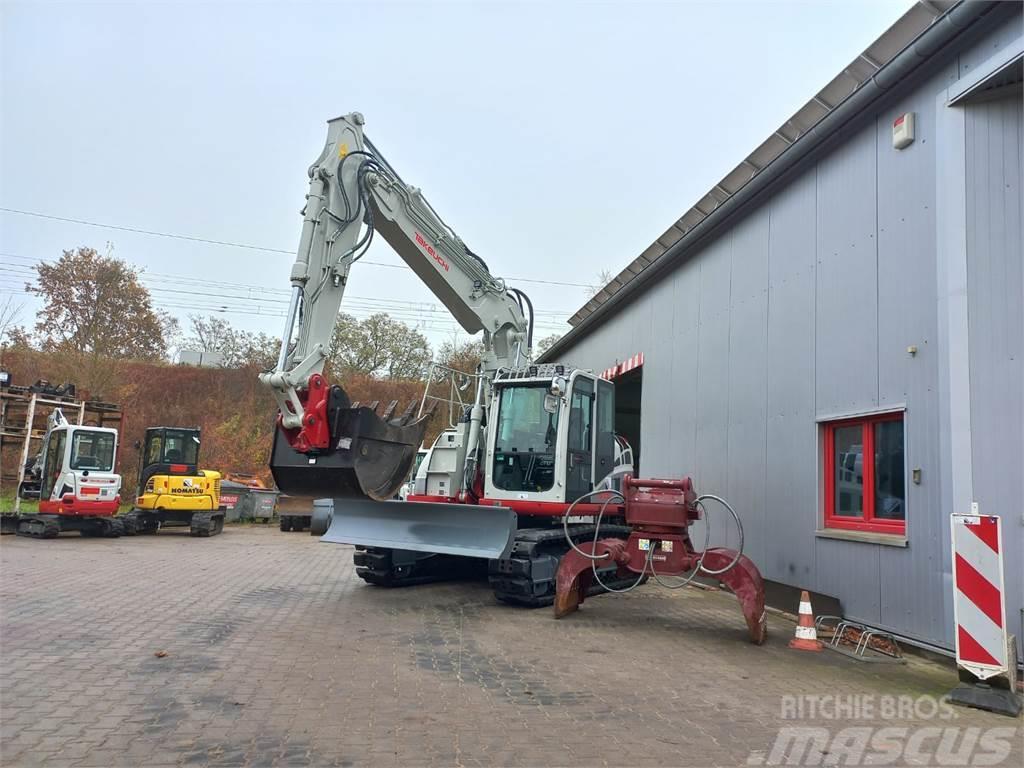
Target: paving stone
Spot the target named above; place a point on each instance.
(278, 655)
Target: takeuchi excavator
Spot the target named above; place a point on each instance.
(533, 470)
(78, 489)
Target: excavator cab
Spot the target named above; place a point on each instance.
(169, 474)
(552, 438)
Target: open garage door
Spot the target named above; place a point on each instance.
(628, 388)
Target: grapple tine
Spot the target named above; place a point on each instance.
(355, 404)
(430, 408)
(745, 581)
(390, 410)
(373, 405)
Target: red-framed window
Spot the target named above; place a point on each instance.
(865, 474)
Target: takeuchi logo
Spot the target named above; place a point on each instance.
(430, 251)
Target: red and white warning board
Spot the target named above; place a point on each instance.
(979, 600)
(634, 361)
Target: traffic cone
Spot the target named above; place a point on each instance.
(806, 636)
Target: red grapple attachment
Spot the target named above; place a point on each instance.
(660, 512)
(343, 449)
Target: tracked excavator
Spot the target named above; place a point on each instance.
(532, 471)
(78, 489)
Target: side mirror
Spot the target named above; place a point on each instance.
(557, 386)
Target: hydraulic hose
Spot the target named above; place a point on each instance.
(739, 529)
(568, 513)
(648, 563)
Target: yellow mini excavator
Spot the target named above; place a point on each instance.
(173, 491)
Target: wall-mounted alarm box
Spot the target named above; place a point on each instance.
(903, 131)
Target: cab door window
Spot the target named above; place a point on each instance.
(579, 442)
(54, 460)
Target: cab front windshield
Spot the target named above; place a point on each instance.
(524, 448)
(92, 450)
(173, 446)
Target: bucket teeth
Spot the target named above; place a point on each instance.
(390, 410)
(407, 413)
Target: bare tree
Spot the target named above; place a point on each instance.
(603, 278)
(10, 314)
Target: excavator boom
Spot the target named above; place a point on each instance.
(327, 446)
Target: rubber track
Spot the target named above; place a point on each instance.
(139, 523)
(294, 522)
(206, 524)
(376, 566)
(38, 529)
(129, 524)
(527, 576)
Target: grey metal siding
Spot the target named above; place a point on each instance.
(911, 595)
(791, 483)
(995, 296)
(805, 309)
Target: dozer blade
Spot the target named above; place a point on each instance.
(367, 458)
(469, 530)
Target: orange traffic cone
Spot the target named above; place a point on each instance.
(806, 636)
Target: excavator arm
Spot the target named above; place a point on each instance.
(324, 446)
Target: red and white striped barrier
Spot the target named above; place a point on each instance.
(979, 600)
(624, 367)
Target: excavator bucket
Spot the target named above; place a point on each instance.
(368, 457)
(469, 530)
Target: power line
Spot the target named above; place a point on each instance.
(247, 246)
(161, 278)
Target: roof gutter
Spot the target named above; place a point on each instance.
(942, 31)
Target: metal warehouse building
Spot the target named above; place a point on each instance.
(833, 337)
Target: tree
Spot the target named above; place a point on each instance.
(603, 278)
(96, 313)
(545, 344)
(95, 306)
(378, 346)
(258, 350)
(241, 349)
(463, 357)
(211, 334)
(10, 313)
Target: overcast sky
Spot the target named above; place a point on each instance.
(558, 139)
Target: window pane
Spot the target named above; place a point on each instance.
(524, 450)
(92, 450)
(890, 494)
(849, 478)
(181, 447)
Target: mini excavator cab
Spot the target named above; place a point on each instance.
(169, 474)
(169, 451)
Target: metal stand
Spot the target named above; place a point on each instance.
(862, 646)
(996, 694)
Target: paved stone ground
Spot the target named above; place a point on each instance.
(278, 655)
